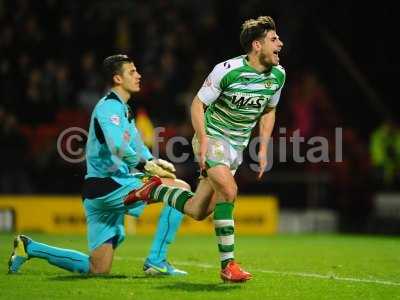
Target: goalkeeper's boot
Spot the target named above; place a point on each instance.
(163, 268)
(143, 193)
(234, 273)
(19, 254)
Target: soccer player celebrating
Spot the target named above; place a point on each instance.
(114, 152)
(238, 93)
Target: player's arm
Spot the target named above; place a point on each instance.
(149, 164)
(267, 122)
(207, 94)
(198, 121)
(266, 126)
(111, 117)
(138, 144)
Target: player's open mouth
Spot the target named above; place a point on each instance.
(276, 54)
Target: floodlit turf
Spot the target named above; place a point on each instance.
(284, 267)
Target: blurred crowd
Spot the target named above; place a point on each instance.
(51, 54)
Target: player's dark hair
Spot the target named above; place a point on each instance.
(255, 29)
(112, 65)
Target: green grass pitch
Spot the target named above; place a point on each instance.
(283, 266)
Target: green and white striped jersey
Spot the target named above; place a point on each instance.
(237, 95)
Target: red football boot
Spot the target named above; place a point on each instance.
(234, 273)
(143, 193)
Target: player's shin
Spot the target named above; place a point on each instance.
(175, 197)
(168, 225)
(224, 230)
(70, 260)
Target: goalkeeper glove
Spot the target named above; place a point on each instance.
(160, 168)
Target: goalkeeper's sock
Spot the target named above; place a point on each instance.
(175, 197)
(67, 259)
(168, 225)
(224, 230)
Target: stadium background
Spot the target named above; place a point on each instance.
(341, 72)
(341, 59)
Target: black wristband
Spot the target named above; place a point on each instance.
(140, 166)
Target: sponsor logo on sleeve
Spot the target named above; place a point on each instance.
(207, 82)
(115, 120)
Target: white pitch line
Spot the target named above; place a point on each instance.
(314, 275)
(283, 273)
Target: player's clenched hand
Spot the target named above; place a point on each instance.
(161, 168)
(262, 161)
(203, 144)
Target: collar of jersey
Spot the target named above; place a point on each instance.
(113, 95)
(246, 63)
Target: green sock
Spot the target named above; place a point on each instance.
(175, 197)
(224, 229)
